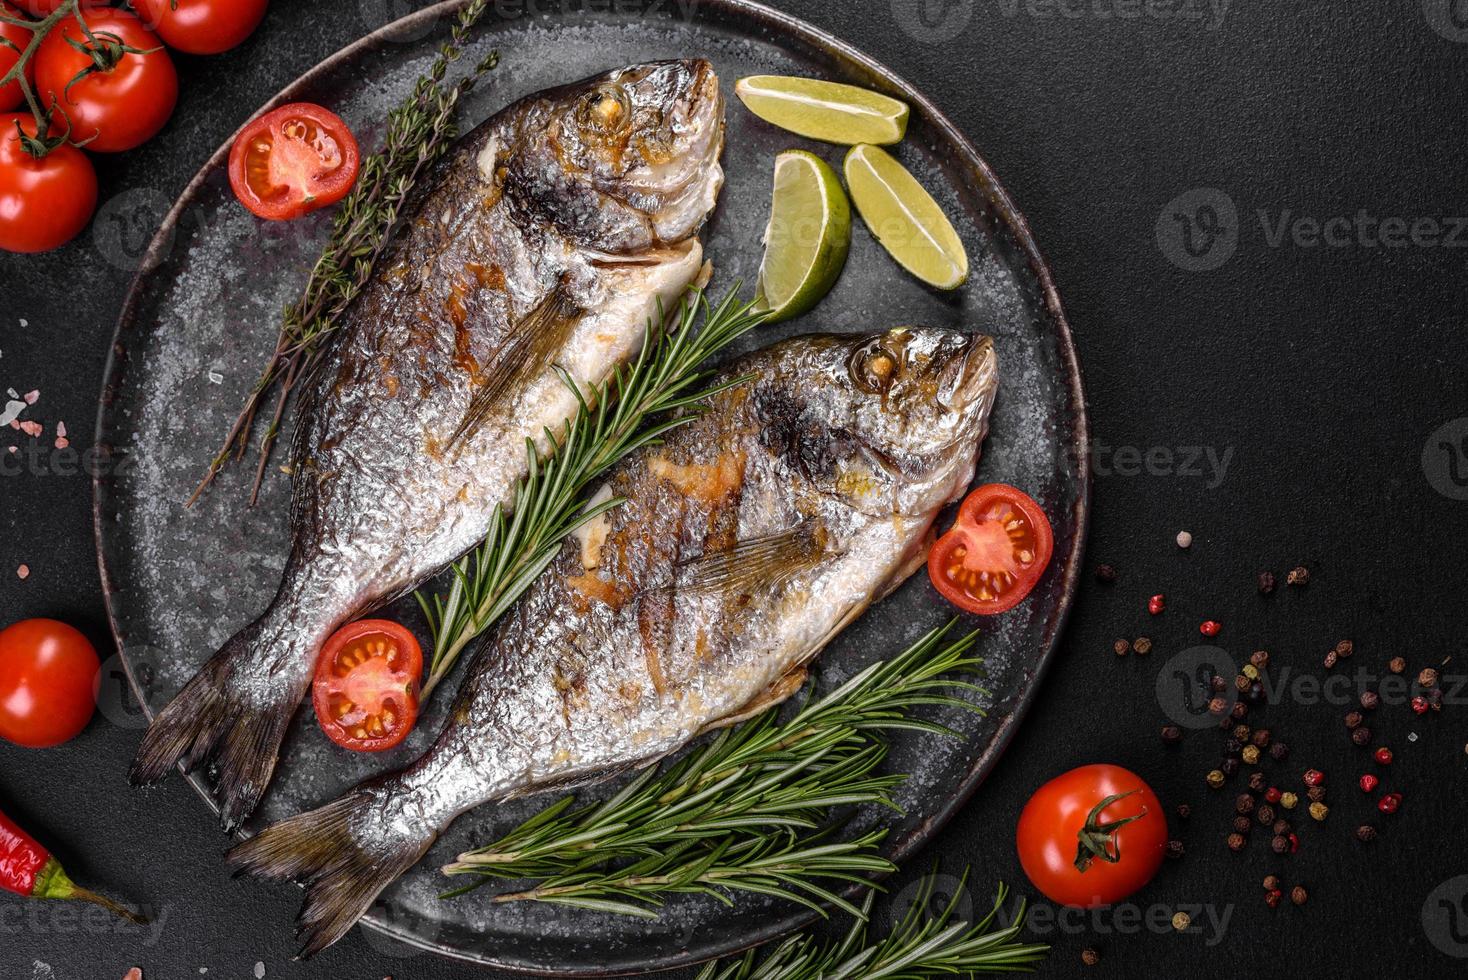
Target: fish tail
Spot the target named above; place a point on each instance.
(234, 713)
(342, 853)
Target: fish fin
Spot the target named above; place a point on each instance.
(758, 564)
(776, 693)
(218, 717)
(343, 871)
(532, 341)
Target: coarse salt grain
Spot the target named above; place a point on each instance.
(31, 397)
(23, 572)
(32, 429)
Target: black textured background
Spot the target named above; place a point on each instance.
(1320, 371)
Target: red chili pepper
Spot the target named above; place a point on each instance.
(29, 870)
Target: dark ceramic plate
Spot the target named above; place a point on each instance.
(202, 315)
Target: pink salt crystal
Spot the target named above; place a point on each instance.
(32, 429)
(23, 572)
(31, 397)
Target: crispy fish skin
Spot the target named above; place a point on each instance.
(747, 541)
(556, 233)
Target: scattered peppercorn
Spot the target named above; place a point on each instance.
(1215, 779)
(1319, 811)
(1314, 777)
(1218, 684)
(1280, 844)
(1420, 704)
(1175, 849)
(1278, 751)
(1361, 736)
(1369, 783)
(1389, 803)
(1384, 756)
(1250, 754)
(1232, 746)
(1172, 734)
(1229, 766)
(1344, 649)
(1244, 803)
(1316, 793)
(1397, 664)
(1241, 683)
(1265, 815)
(1281, 827)
(1271, 898)
(1271, 882)
(1353, 720)
(1156, 604)
(1260, 659)
(1257, 782)
(1298, 895)
(1236, 842)
(1105, 574)
(1184, 811)
(1370, 700)
(1366, 833)
(1298, 576)
(1242, 732)
(1273, 795)
(1428, 677)
(1242, 825)
(1209, 627)
(1088, 955)
(1142, 645)
(1121, 648)
(1240, 710)
(1181, 921)
(1260, 737)
(1289, 800)
(1250, 671)
(1266, 583)
(1330, 659)
(1218, 706)
(1255, 691)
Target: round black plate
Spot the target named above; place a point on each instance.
(203, 314)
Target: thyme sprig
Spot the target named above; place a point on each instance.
(419, 132)
(919, 947)
(635, 407)
(748, 810)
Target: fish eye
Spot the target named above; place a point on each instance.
(874, 368)
(604, 110)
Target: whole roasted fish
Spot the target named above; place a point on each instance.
(552, 237)
(746, 542)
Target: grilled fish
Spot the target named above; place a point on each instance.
(744, 544)
(552, 237)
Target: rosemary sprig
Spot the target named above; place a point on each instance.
(419, 132)
(611, 421)
(918, 948)
(758, 794)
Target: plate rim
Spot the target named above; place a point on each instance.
(1018, 225)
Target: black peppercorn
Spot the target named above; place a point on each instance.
(1260, 737)
(1257, 782)
(1184, 811)
(1344, 649)
(1241, 732)
(1281, 828)
(1089, 956)
(1370, 700)
(1330, 659)
(1240, 711)
(1241, 683)
(1265, 815)
(1244, 803)
(1266, 583)
(1259, 658)
(1242, 825)
(1353, 720)
(1299, 575)
(1142, 646)
(1172, 734)
(1218, 684)
(1316, 793)
(1280, 845)
(1428, 677)
(1278, 751)
(1121, 648)
(1361, 736)
(1366, 833)
(1105, 574)
(1175, 849)
(1298, 895)
(1397, 664)
(1271, 882)
(1218, 706)
(1236, 842)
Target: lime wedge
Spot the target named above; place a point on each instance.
(807, 238)
(905, 218)
(826, 111)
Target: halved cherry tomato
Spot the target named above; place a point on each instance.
(49, 676)
(293, 160)
(13, 40)
(46, 202)
(201, 26)
(995, 552)
(1092, 836)
(129, 87)
(366, 687)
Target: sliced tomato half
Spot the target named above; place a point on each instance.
(366, 687)
(995, 552)
(292, 161)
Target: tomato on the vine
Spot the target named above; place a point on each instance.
(46, 202)
(39, 8)
(366, 686)
(49, 676)
(1092, 836)
(202, 26)
(13, 39)
(994, 553)
(117, 89)
(293, 160)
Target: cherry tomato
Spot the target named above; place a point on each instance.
(130, 95)
(994, 553)
(201, 26)
(11, 95)
(293, 160)
(44, 203)
(366, 687)
(49, 675)
(1092, 836)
